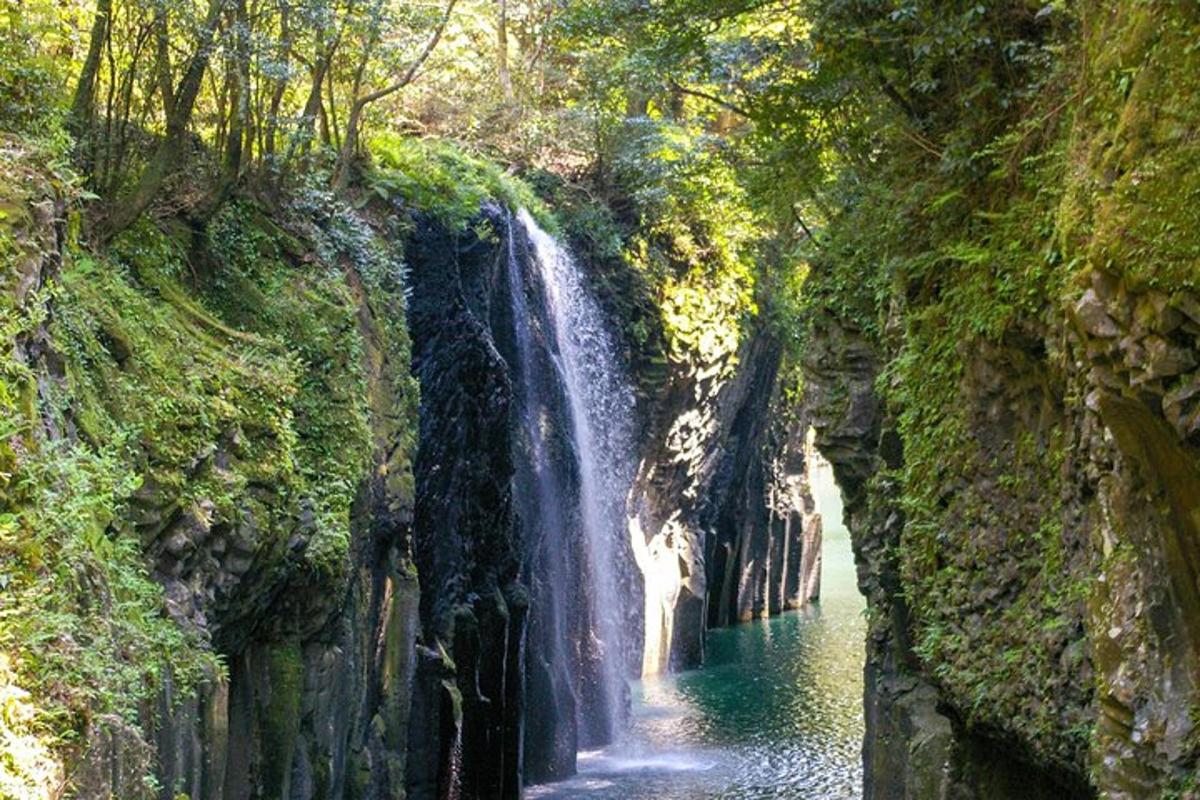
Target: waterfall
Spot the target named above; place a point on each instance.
(577, 420)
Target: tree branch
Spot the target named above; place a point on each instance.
(741, 112)
(805, 228)
(341, 175)
(417, 63)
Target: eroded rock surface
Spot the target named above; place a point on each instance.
(724, 526)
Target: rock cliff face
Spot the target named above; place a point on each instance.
(722, 524)
(1124, 530)
(511, 682)
(916, 746)
(722, 504)
(1032, 609)
(1135, 354)
(306, 594)
(344, 676)
(469, 691)
(318, 691)
(343, 679)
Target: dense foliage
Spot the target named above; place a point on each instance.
(216, 379)
(710, 149)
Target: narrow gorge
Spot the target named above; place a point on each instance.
(600, 399)
(551, 586)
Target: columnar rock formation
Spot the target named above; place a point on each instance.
(1125, 521)
(314, 701)
(722, 504)
(469, 693)
(722, 523)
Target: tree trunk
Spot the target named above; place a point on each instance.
(239, 101)
(637, 103)
(333, 118)
(301, 137)
(85, 89)
(506, 85)
(323, 116)
(162, 64)
(83, 104)
(272, 121)
(170, 151)
(341, 176)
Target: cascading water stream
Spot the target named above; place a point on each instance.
(776, 712)
(540, 493)
(598, 403)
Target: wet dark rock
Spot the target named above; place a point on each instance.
(464, 732)
(917, 745)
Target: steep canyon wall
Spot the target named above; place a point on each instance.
(269, 492)
(1022, 499)
(722, 503)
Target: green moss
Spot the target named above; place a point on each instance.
(281, 715)
(442, 179)
(959, 270)
(1133, 206)
(311, 315)
(83, 625)
(162, 379)
(950, 267)
(240, 377)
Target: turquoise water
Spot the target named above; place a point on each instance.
(776, 712)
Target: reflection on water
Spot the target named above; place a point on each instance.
(776, 712)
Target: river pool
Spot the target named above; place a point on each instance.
(776, 711)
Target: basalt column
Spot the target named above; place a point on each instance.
(720, 513)
(467, 702)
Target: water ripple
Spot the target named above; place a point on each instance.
(775, 714)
